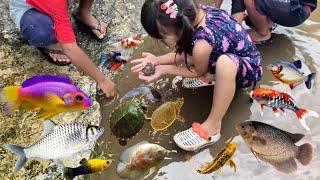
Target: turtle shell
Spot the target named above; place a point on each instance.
(127, 120)
(166, 114)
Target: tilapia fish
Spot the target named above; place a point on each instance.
(58, 141)
(279, 101)
(152, 94)
(139, 159)
(289, 73)
(274, 145)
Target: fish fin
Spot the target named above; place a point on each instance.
(254, 153)
(305, 154)
(289, 166)
(233, 165)
(22, 159)
(295, 137)
(303, 114)
(46, 114)
(261, 109)
(309, 80)
(53, 99)
(10, 96)
(297, 64)
(259, 140)
(46, 78)
(276, 112)
(27, 106)
(283, 111)
(48, 125)
(180, 118)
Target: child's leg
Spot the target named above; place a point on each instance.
(84, 14)
(238, 10)
(224, 90)
(261, 23)
(38, 30)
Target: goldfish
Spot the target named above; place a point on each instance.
(279, 101)
(139, 159)
(131, 42)
(290, 74)
(112, 61)
(152, 94)
(224, 157)
(57, 142)
(87, 167)
(48, 93)
(275, 146)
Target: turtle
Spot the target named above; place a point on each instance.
(127, 119)
(166, 114)
(149, 69)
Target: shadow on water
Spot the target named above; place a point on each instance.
(196, 108)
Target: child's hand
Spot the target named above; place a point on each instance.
(108, 87)
(160, 70)
(141, 63)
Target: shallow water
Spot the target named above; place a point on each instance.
(302, 42)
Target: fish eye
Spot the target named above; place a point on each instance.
(79, 97)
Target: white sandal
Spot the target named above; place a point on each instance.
(192, 83)
(195, 138)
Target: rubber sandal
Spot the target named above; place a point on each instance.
(191, 83)
(195, 138)
(46, 53)
(88, 28)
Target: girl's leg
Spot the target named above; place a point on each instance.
(224, 90)
(84, 14)
(38, 30)
(261, 23)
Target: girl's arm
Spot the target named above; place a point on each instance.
(170, 58)
(82, 61)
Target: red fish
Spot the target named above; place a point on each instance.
(131, 42)
(48, 93)
(279, 101)
(112, 61)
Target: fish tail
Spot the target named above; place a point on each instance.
(309, 79)
(22, 159)
(303, 114)
(10, 96)
(68, 173)
(305, 154)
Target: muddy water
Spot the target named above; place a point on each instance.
(302, 43)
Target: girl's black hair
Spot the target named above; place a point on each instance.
(153, 19)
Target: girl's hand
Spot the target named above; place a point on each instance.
(141, 63)
(160, 70)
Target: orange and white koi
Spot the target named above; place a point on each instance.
(131, 42)
(279, 101)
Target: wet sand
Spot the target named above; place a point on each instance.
(302, 42)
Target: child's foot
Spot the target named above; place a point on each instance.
(98, 27)
(56, 53)
(195, 138)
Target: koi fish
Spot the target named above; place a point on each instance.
(57, 142)
(131, 42)
(290, 74)
(275, 146)
(112, 61)
(280, 101)
(220, 160)
(48, 93)
(87, 167)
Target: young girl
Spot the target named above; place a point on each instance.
(289, 13)
(213, 42)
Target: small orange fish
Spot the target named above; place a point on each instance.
(48, 93)
(131, 42)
